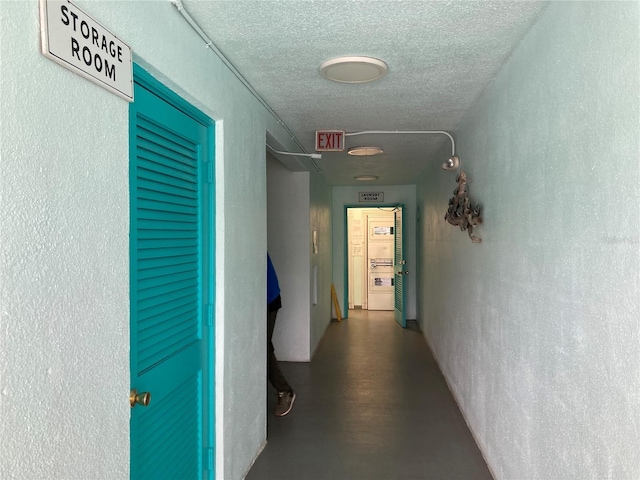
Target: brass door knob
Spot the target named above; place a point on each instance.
(142, 398)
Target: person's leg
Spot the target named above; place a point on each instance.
(286, 397)
(273, 369)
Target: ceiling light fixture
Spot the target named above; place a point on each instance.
(353, 69)
(365, 178)
(365, 151)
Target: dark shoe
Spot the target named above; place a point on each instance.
(285, 403)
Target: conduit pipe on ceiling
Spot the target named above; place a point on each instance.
(316, 156)
(209, 44)
(399, 132)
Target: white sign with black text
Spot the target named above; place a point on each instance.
(76, 41)
(371, 197)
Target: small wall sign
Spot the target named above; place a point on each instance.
(76, 41)
(371, 197)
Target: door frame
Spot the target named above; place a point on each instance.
(144, 79)
(345, 249)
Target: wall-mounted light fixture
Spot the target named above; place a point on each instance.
(453, 163)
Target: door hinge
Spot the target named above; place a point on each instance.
(208, 458)
(210, 172)
(210, 315)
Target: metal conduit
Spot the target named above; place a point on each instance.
(453, 144)
(209, 44)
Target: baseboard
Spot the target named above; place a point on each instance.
(262, 447)
(457, 400)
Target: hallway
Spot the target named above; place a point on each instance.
(371, 405)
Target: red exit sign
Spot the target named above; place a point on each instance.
(329, 140)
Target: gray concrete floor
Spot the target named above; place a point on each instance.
(372, 404)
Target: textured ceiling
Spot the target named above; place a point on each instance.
(441, 55)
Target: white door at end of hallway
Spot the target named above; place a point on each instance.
(380, 277)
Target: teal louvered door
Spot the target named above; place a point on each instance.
(171, 286)
(399, 271)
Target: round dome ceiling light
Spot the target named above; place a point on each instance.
(365, 178)
(353, 69)
(365, 151)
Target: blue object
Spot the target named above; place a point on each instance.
(273, 287)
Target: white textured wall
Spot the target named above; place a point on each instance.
(64, 295)
(297, 204)
(320, 221)
(288, 241)
(395, 194)
(537, 329)
(64, 355)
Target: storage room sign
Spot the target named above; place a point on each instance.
(76, 41)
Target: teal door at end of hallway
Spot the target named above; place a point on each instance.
(171, 285)
(399, 270)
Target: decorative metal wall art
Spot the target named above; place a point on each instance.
(460, 212)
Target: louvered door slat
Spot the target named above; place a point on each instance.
(156, 243)
(165, 253)
(154, 225)
(153, 156)
(166, 197)
(165, 201)
(170, 141)
(167, 427)
(155, 293)
(165, 269)
(398, 293)
(163, 142)
(398, 268)
(166, 300)
(170, 451)
(157, 310)
(183, 195)
(158, 233)
(152, 353)
(166, 323)
(149, 266)
(179, 308)
(159, 201)
(154, 220)
(157, 429)
(161, 279)
(155, 180)
(167, 166)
